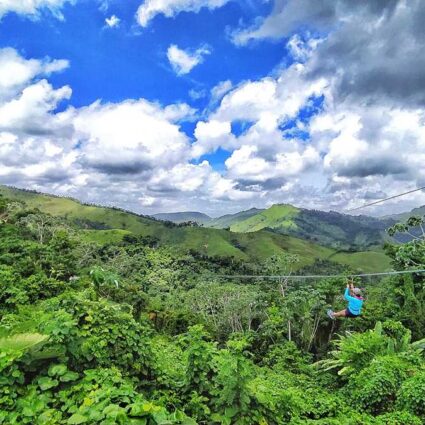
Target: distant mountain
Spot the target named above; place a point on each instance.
(103, 225)
(183, 217)
(332, 229)
(404, 216)
(229, 220)
(276, 217)
(339, 231)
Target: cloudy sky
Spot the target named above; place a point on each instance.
(214, 105)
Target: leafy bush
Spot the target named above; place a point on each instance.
(143, 339)
(106, 335)
(374, 388)
(412, 394)
(287, 356)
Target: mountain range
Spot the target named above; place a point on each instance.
(333, 229)
(252, 235)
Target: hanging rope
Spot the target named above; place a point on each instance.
(321, 276)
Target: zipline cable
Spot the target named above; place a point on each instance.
(386, 199)
(319, 276)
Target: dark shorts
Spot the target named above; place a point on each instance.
(349, 314)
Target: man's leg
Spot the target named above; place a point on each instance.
(341, 313)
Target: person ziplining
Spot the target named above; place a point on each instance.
(355, 303)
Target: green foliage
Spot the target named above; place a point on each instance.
(253, 246)
(374, 388)
(411, 396)
(200, 355)
(286, 356)
(356, 351)
(121, 330)
(107, 335)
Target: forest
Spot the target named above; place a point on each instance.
(129, 331)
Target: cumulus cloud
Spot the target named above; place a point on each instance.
(32, 7)
(264, 105)
(371, 141)
(131, 136)
(370, 134)
(255, 171)
(132, 153)
(344, 123)
(211, 135)
(113, 21)
(381, 60)
(183, 61)
(29, 113)
(218, 91)
(16, 71)
(170, 8)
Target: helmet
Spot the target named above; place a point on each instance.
(357, 291)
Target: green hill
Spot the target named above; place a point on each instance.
(332, 229)
(404, 216)
(104, 224)
(339, 231)
(228, 220)
(182, 217)
(275, 217)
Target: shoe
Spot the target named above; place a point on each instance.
(330, 313)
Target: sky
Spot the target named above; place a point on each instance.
(215, 106)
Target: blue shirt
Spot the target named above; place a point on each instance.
(354, 304)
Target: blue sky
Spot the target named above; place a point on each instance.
(114, 64)
(213, 105)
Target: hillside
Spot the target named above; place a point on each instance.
(404, 216)
(228, 220)
(123, 331)
(182, 217)
(332, 229)
(100, 222)
(280, 217)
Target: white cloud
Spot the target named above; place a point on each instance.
(264, 105)
(270, 99)
(371, 140)
(289, 15)
(134, 153)
(130, 137)
(113, 21)
(301, 49)
(16, 72)
(247, 164)
(210, 135)
(183, 61)
(29, 113)
(32, 7)
(218, 91)
(170, 8)
(197, 94)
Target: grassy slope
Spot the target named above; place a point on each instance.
(404, 216)
(104, 237)
(72, 210)
(212, 242)
(369, 261)
(181, 217)
(228, 220)
(276, 216)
